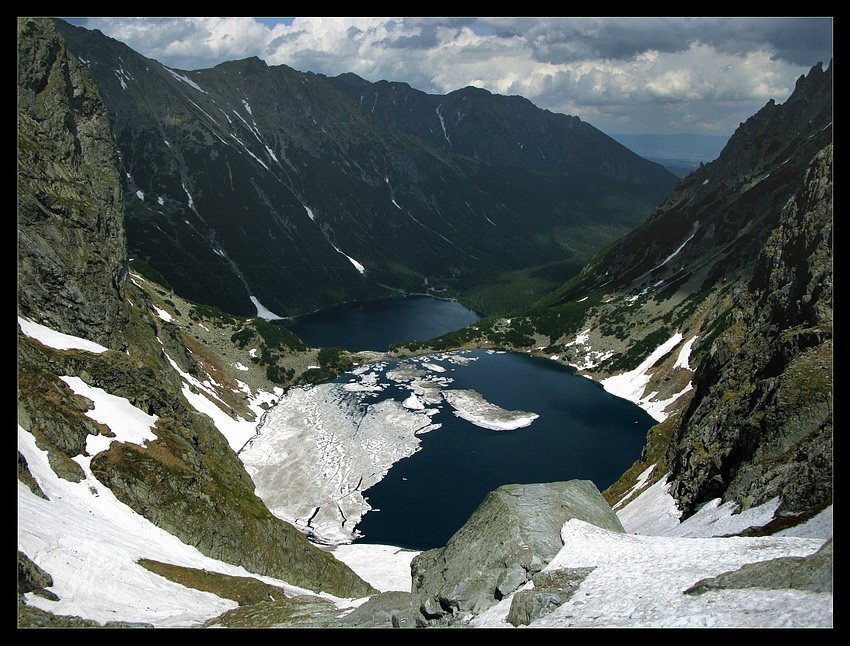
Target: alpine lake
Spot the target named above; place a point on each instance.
(580, 431)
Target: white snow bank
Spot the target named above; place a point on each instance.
(683, 360)
(632, 385)
(57, 340)
(236, 429)
(263, 312)
(131, 424)
(385, 567)
(655, 512)
(90, 543)
(162, 314)
(638, 581)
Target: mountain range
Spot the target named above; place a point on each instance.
(247, 186)
(227, 174)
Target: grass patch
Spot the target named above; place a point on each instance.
(243, 590)
(145, 270)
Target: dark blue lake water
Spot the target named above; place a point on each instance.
(582, 432)
(374, 325)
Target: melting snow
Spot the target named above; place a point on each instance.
(162, 314)
(631, 385)
(681, 246)
(682, 361)
(263, 312)
(185, 79)
(356, 264)
(57, 340)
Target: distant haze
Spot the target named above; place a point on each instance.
(679, 147)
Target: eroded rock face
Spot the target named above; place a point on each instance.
(760, 424)
(72, 257)
(512, 535)
(551, 590)
(813, 573)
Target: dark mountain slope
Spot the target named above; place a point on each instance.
(507, 130)
(248, 180)
(69, 277)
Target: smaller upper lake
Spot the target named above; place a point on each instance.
(374, 325)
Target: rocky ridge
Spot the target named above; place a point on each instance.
(226, 174)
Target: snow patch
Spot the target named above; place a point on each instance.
(263, 312)
(631, 385)
(681, 246)
(162, 314)
(57, 340)
(185, 79)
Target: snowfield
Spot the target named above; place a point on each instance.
(90, 543)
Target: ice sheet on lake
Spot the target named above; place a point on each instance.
(319, 449)
(322, 446)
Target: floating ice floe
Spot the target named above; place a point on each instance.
(471, 406)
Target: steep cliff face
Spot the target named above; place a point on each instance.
(72, 259)
(72, 265)
(760, 423)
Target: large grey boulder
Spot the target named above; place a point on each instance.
(512, 535)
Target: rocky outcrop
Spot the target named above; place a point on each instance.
(32, 578)
(813, 573)
(551, 589)
(72, 258)
(734, 272)
(511, 537)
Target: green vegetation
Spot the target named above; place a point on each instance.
(519, 290)
(274, 337)
(335, 359)
(201, 312)
(332, 362)
(242, 590)
(145, 270)
(632, 358)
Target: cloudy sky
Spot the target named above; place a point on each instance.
(623, 75)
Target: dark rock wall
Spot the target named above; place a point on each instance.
(72, 259)
(71, 268)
